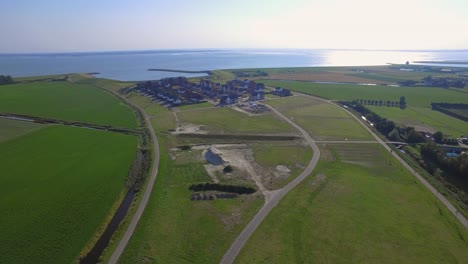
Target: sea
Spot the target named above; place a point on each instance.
(134, 65)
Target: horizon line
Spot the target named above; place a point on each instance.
(220, 49)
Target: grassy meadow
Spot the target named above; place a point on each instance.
(175, 229)
(359, 206)
(424, 118)
(58, 186)
(229, 121)
(324, 121)
(294, 156)
(68, 101)
(349, 213)
(419, 99)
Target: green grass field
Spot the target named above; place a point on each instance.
(324, 121)
(227, 120)
(175, 229)
(295, 157)
(421, 118)
(68, 101)
(358, 216)
(58, 186)
(415, 96)
(10, 129)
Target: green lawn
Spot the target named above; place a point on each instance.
(10, 129)
(229, 121)
(68, 101)
(421, 117)
(324, 121)
(175, 229)
(415, 96)
(358, 213)
(58, 186)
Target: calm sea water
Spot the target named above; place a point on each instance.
(133, 65)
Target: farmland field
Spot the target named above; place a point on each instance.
(415, 96)
(58, 186)
(68, 101)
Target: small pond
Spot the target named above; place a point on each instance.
(212, 158)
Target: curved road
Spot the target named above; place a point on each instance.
(149, 188)
(240, 241)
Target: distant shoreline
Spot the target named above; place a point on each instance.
(181, 71)
(443, 62)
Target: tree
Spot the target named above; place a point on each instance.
(394, 135)
(402, 102)
(6, 79)
(414, 137)
(438, 136)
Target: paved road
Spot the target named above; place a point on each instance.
(149, 188)
(240, 241)
(441, 198)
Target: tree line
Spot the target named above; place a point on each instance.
(6, 79)
(388, 103)
(222, 188)
(387, 127)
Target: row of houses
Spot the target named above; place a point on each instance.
(179, 91)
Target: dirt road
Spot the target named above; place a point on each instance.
(276, 196)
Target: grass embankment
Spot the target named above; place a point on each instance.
(66, 101)
(54, 201)
(229, 121)
(360, 206)
(419, 99)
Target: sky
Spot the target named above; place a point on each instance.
(108, 25)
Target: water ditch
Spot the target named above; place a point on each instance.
(93, 256)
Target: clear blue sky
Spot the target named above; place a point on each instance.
(84, 25)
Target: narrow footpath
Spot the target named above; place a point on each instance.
(276, 196)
